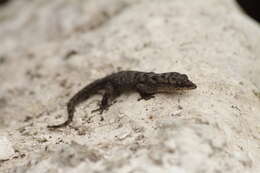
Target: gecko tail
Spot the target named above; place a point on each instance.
(70, 109)
(82, 95)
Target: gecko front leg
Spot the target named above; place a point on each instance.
(146, 92)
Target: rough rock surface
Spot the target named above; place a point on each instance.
(50, 49)
(6, 149)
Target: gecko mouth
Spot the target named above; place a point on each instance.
(189, 86)
(193, 86)
(169, 89)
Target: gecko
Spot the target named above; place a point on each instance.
(147, 84)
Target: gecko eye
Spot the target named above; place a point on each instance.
(184, 76)
(154, 78)
(172, 80)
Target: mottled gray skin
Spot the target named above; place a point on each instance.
(146, 84)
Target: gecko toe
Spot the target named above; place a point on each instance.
(100, 110)
(148, 97)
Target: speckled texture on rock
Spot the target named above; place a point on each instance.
(6, 149)
(50, 49)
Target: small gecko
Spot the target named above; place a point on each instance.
(145, 83)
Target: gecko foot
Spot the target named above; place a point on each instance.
(101, 109)
(145, 97)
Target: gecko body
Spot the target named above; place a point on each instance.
(145, 83)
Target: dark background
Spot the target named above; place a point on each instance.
(3, 2)
(250, 7)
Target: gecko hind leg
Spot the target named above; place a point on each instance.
(107, 100)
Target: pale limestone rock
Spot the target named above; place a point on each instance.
(6, 149)
(214, 128)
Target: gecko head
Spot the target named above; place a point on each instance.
(169, 82)
(181, 81)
